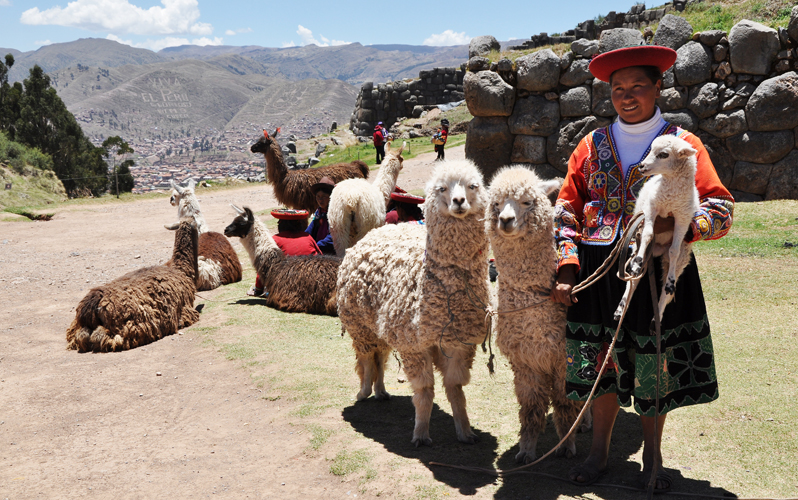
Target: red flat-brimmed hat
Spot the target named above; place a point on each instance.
(407, 198)
(290, 214)
(604, 65)
(397, 189)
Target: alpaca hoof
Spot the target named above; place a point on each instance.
(566, 451)
(468, 439)
(525, 457)
(363, 395)
(382, 396)
(418, 441)
(670, 287)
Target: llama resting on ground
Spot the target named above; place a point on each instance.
(292, 187)
(141, 306)
(530, 329)
(357, 206)
(670, 191)
(218, 262)
(302, 283)
(398, 285)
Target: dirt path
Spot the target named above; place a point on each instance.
(170, 418)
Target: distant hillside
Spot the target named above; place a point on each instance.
(190, 97)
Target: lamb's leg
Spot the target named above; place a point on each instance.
(380, 359)
(418, 368)
(565, 412)
(627, 296)
(674, 271)
(534, 401)
(456, 372)
(647, 236)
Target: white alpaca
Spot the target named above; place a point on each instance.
(357, 206)
(405, 288)
(670, 192)
(530, 329)
(187, 205)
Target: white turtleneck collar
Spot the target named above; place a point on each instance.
(632, 140)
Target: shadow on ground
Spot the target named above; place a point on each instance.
(390, 423)
(537, 482)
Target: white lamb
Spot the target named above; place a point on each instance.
(670, 192)
(530, 329)
(357, 206)
(407, 288)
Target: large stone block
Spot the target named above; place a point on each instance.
(539, 71)
(703, 99)
(683, 118)
(693, 64)
(482, 45)
(751, 177)
(761, 147)
(672, 99)
(720, 156)
(618, 38)
(489, 144)
(602, 99)
(534, 115)
(577, 73)
(529, 149)
(774, 104)
(792, 28)
(585, 48)
(575, 102)
(725, 124)
(488, 95)
(711, 37)
(673, 32)
(561, 144)
(753, 47)
(783, 183)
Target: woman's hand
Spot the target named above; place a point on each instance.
(566, 280)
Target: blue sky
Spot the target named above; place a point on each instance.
(154, 24)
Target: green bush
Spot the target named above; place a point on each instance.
(18, 155)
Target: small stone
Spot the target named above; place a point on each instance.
(137, 257)
(157, 374)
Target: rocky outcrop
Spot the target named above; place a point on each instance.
(753, 47)
(673, 31)
(487, 94)
(482, 45)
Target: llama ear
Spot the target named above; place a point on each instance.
(191, 183)
(404, 145)
(173, 226)
(176, 187)
(277, 131)
(238, 210)
(550, 186)
(248, 213)
(685, 151)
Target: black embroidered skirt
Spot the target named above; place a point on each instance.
(687, 374)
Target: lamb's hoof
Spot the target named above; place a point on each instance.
(617, 315)
(566, 451)
(418, 441)
(526, 457)
(670, 287)
(382, 396)
(636, 266)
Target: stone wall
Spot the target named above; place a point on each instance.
(737, 91)
(387, 102)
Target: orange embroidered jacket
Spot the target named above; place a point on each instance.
(596, 201)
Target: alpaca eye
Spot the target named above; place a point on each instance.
(473, 186)
(662, 155)
(442, 189)
(527, 203)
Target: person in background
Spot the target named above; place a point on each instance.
(319, 228)
(594, 207)
(439, 139)
(405, 209)
(291, 238)
(379, 138)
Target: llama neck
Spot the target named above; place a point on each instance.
(275, 164)
(189, 207)
(184, 254)
(386, 177)
(260, 246)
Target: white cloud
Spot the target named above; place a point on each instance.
(448, 37)
(307, 38)
(5, 3)
(42, 43)
(285, 45)
(230, 33)
(170, 41)
(239, 30)
(120, 16)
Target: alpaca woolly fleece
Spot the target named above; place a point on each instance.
(142, 306)
(398, 286)
(531, 332)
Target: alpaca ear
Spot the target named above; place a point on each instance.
(238, 210)
(685, 151)
(550, 186)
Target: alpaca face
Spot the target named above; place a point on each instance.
(519, 203)
(668, 154)
(241, 225)
(459, 197)
(509, 214)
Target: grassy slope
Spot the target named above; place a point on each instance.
(302, 362)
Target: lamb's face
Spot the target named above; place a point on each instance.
(241, 225)
(668, 154)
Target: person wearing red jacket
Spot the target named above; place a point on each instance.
(379, 138)
(439, 139)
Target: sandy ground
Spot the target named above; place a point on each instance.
(172, 417)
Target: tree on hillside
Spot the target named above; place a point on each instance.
(34, 115)
(113, 147)
(126, 181)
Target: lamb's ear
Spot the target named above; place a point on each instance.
(685, 151)
(239, 211)
(173, 226)
(551, 186)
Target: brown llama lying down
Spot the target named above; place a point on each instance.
(142, 306)
(292, 187)
(303, 283)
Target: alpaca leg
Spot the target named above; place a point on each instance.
(418, 368)
(457, 373)
(565, 413)
(534, 401)
(380, 359)
(365, 369)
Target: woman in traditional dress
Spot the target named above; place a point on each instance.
(594, 207)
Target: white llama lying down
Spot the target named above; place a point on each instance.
(520, 223)
(398, 286)
(187, 205)
(358, 206)
(671, 191)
